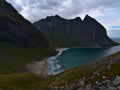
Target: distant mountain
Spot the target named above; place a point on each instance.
(20, 41)
(75, 32)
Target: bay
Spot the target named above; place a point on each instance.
(74, 57)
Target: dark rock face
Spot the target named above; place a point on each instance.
(74, 32)
(17, 31)
(94, 33)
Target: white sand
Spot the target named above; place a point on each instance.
(60, 49)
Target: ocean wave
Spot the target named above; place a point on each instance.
(55, 66)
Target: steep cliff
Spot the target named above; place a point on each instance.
(74, 32)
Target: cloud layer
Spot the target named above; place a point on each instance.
(105, 11)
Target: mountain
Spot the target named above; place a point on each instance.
(74, 32)
(20, 41)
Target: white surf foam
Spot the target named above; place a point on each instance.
(55, 66)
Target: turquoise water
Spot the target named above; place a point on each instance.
(74, 57)
(80, 56)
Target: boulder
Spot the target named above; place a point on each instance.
(116, 81)
(111, 88)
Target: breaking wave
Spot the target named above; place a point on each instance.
(55, 66)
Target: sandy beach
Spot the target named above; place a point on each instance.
(60, 49)
(37, 67)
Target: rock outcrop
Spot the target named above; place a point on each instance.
(75, 32)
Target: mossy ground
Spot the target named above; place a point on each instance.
(24, 81)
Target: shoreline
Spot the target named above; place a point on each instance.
(63, 48)
(41, 67)
(60, 49)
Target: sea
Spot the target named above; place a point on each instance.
(75, 57)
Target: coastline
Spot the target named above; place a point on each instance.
(60, 49)
(40, 67)
(64, 48)
(54, 64)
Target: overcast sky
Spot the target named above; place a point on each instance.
(107, 12)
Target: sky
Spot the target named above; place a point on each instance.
(107, 12)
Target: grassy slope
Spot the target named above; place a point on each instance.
(13, 58)
(24, 81)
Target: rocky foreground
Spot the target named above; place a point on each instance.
(83, 84)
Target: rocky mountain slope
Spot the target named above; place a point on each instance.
(74, 32)
(19, 39)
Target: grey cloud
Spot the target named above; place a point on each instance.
(34, 10)
(53, 2)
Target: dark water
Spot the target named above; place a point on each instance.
(74, 57)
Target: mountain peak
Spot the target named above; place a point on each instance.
(57, 16)
(74, 32)
(87, 17)
(78, 18)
